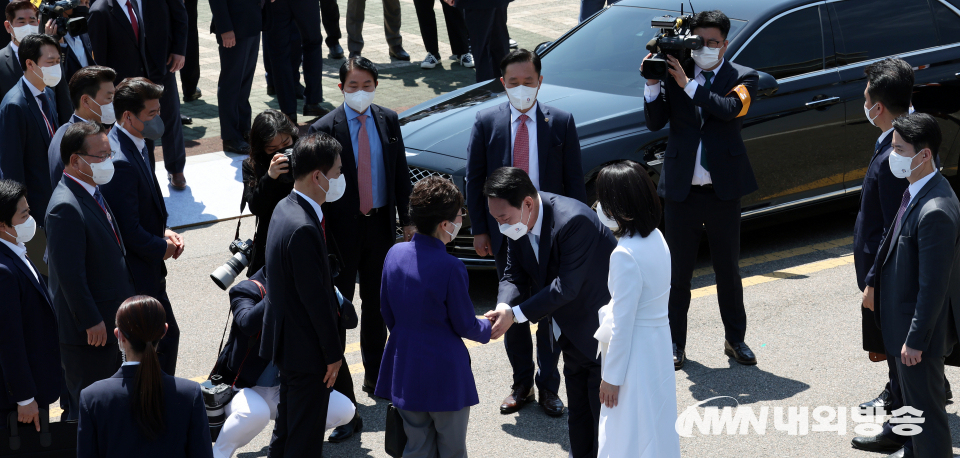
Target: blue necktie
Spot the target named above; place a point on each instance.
(146, 159)
(876, 146)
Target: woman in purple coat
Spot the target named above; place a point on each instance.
(425, 304)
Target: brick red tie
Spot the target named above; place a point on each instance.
(364, 174)
(521, 146)
(133, 21)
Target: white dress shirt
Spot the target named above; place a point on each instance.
(76, 45)
(313, 203)
(884, 135)
(916, 186)
(21, 251)
(86, 186)
(131, 363)
(534, 153)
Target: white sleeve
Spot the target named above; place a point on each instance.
(650, 93)
(626, 284)
(25, 403)
(691, 88)
(518, 314)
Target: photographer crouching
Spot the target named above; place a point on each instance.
(705, 167)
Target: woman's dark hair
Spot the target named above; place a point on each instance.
(87, 81)
(715, 19)
(433, 201)
(626, 194)
(266, 127)
(75, 139)
(10, 194)
(141, 320)
(920, 130)
(511, 184)
(317, 151)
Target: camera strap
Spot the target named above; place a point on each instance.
(243, 204)
(263, 293)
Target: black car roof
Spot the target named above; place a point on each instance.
(747, 10)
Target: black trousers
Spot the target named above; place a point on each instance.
(301, 416)
(296, 58)
(582, 377)
(489, 39)
(305, 16)
(330, 16)
(519, 346)
(82, 365)
(456, 28)
(190, 73)
(169, 345)
(685, 223)
(344, 382)
(375, 235)
(174, 152)
(237, 66)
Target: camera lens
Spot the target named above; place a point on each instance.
(227, 273)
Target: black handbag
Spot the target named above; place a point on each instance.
(54, 440)
(395, 439)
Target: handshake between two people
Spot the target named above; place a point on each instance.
(502, 320)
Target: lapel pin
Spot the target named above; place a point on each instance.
(546, 119)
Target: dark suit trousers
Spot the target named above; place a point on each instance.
(330, 15)
(456, 28)
(519, 346)
(296, 57)
(190, 73)
(301, 416)
(174, 153)
(237, 66)
(344, 382)
(582, 377)
(391, 24)
(82, 365)
(685, 223)
(375, 235)
(169, 345)
(489, 39)
(305, 15)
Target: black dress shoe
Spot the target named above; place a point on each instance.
(336, 52)
(740, 352)
(399, 54)
(679, 357)
(236, 147)
(368, 387)
(949, 392)
(344, 432)
(271, 90)
(882, 401)
(314, 110)
(186, 120)
(879, 444)
(551, 403)
(519, 395)
(191, 97)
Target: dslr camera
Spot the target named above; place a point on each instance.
(76, 24)
(675, 39)
(224, 275)
(287, 177)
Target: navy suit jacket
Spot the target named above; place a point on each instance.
(241, 351)
(72, 62)
(569, 283)
(53, 152)
(243, 17)
(558, 149)
(29, 348)
(164, 32)
(23, 151)
(134, 194)
(108, 429)
(10, 71)
(301, 322)
(730, 168)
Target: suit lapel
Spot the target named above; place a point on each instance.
(503, 126)
(546, 238)
(906, 213)
(341, 130)
(127, 145)
(308, 209)
(88, 201)
(543, 140)
(87, 47)
(11, 61)
(26, 271)
(381, 126)
(121, 15)
(34, 108)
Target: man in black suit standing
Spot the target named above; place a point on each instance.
(363, 223)
(91, 91)
(557, 245)
(118, 31)
(705, 173)
(542, 141)
(89, 277)
(237, 26)
(280, 18)
(489, 39)
(301, 322)
(134, 194)
(190, 73)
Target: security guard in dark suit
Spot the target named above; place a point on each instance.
(237, 25)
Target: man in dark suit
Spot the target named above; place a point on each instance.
(91, 91)
(89, 277)
(29, 351)
(21, 20)
(281, 17)
(77, 53)
(118, 31)
(4, 38)
(134, 194)
(543, 142)
(237, 25)
(489, 40)
(190, 73)
(28, 121)
(705, 173)
(302, 336)
(558, 257)
(363, 223)
(917, 294)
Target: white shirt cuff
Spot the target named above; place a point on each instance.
(650, 93)
(518, 315)
(691, 88)
(25, 403)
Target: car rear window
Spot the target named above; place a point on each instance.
(789, 46)
(873, 29)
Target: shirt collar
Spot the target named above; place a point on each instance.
(697, 70)
(351, 114)
(515, 113)
(539, 224)
(18, 249)
(16, 48)
(80, 117)
(138, 142)
(313, 203)
(33, 89)
(916, 186)
(90, 189)
(883, 136)
(130, 363)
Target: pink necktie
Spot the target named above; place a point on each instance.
(364, 175)
(521, 146)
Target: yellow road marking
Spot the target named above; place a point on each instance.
(797, 271)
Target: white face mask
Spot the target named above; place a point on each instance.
(522, 97)
(336, 187)
(50, 75)
(606, 220)
(107, 115)
(900, 166)
(359, 100)
(19, 33)
(515, 231)
(102, 171)
(866, 111)
(706, 57)
(25, 230)
(456, 230)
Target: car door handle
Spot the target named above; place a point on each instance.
(823, 102)
(957, 75)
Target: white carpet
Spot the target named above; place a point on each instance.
(214, 189)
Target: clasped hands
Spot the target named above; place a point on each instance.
(501, 319)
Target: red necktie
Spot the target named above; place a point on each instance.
(364, 174)
(521, 146)
(133, 21)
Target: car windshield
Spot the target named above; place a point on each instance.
(605, 54)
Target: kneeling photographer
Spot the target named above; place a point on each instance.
(256, 381)
(705, 166)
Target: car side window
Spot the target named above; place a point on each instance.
(789, 46)
(903, 26)
(948, 22)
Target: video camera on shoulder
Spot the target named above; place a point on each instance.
(675, 39)
(76, 23)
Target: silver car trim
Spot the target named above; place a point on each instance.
(794, 203)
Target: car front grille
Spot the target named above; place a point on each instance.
(417, 174)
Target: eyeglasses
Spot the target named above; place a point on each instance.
(463, 212)
(102, 158)
(713, 44)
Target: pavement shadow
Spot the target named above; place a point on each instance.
(534, 425)
(439, 79)
(746, 384)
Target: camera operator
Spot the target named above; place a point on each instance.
(77, 49)
(705, 173)
(266, 174)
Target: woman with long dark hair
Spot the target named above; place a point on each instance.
(141, 411)
(266, 174)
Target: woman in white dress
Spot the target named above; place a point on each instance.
(638, 390)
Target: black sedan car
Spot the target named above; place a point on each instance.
(806, 134)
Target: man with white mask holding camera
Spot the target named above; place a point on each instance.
(542, 141)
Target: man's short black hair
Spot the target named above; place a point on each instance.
(627, 194)
(920, 130)
(891, 83)
(11, 192)
(10, 12)
(517, 56)
(75, 139)
(715, 19)
(314, 152)
(87, 81)
(31, 48)
(357, 63)
(132, 95)
(511, 184)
